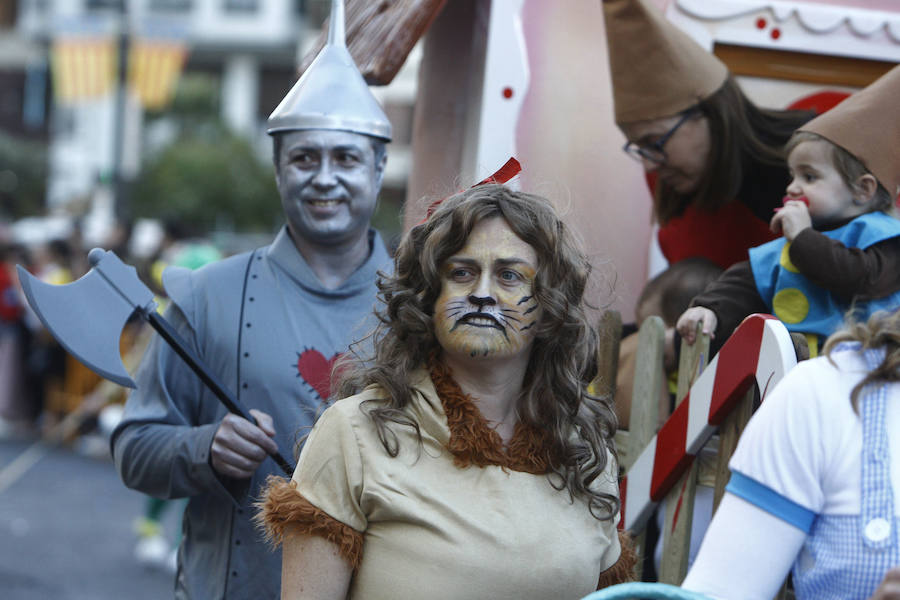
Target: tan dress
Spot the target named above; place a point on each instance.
(431, 529)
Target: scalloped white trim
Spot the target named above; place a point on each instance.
(825, 29)
(816, 18)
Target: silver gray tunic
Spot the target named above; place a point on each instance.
(263, 322)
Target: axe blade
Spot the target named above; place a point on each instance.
(87, 317)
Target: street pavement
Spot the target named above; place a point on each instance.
(67, 531)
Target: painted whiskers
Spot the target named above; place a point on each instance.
(488, 314)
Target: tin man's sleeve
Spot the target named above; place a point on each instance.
(159, 447)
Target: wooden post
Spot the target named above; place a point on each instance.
(609, 332)
(452, 59)
(676, 531)
(729, 432)
(649, 378)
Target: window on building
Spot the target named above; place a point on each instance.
(104, 5)
(170, 5)
(316, 11)
(241, 6)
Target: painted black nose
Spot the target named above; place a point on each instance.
(481, 302)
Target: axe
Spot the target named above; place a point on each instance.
(112, 289)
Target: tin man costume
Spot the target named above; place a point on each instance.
(269, 328)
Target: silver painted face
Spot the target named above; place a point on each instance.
(328, 182)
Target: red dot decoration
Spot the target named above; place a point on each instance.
(776, 33)
(507, 92)
(761, 23)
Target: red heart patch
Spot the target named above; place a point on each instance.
(316, 371)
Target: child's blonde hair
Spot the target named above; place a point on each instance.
(848, 167)
(882, 330)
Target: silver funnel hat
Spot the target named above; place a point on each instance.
(332, 93)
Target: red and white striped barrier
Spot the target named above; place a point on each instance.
(760, 350)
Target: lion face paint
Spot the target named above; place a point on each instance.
(486, 307)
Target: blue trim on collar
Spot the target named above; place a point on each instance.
(770, 501)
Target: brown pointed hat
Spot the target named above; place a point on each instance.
(657, 70)
(332, 93)
(867, 125)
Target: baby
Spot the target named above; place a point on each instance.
(840, 248)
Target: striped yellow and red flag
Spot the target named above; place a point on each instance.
(83, 67)
(154, 67)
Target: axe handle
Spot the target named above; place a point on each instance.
(168, 333)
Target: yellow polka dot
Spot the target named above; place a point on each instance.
(790, 305)
(786, 259)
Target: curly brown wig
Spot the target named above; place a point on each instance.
(563, 356)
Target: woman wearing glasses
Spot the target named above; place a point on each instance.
(715, 157)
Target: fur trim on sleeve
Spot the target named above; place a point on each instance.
(623, 569)
(282, 507)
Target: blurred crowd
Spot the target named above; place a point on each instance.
(48, 395)
(40, 383)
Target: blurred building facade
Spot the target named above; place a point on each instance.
(59, 67)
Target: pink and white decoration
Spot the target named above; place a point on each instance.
(840, 28)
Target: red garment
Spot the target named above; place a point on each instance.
(10, 308)
(722, 236)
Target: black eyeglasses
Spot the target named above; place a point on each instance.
(655, 152)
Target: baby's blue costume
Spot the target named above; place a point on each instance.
(804, 307)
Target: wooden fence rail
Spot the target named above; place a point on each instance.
(718, 396)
